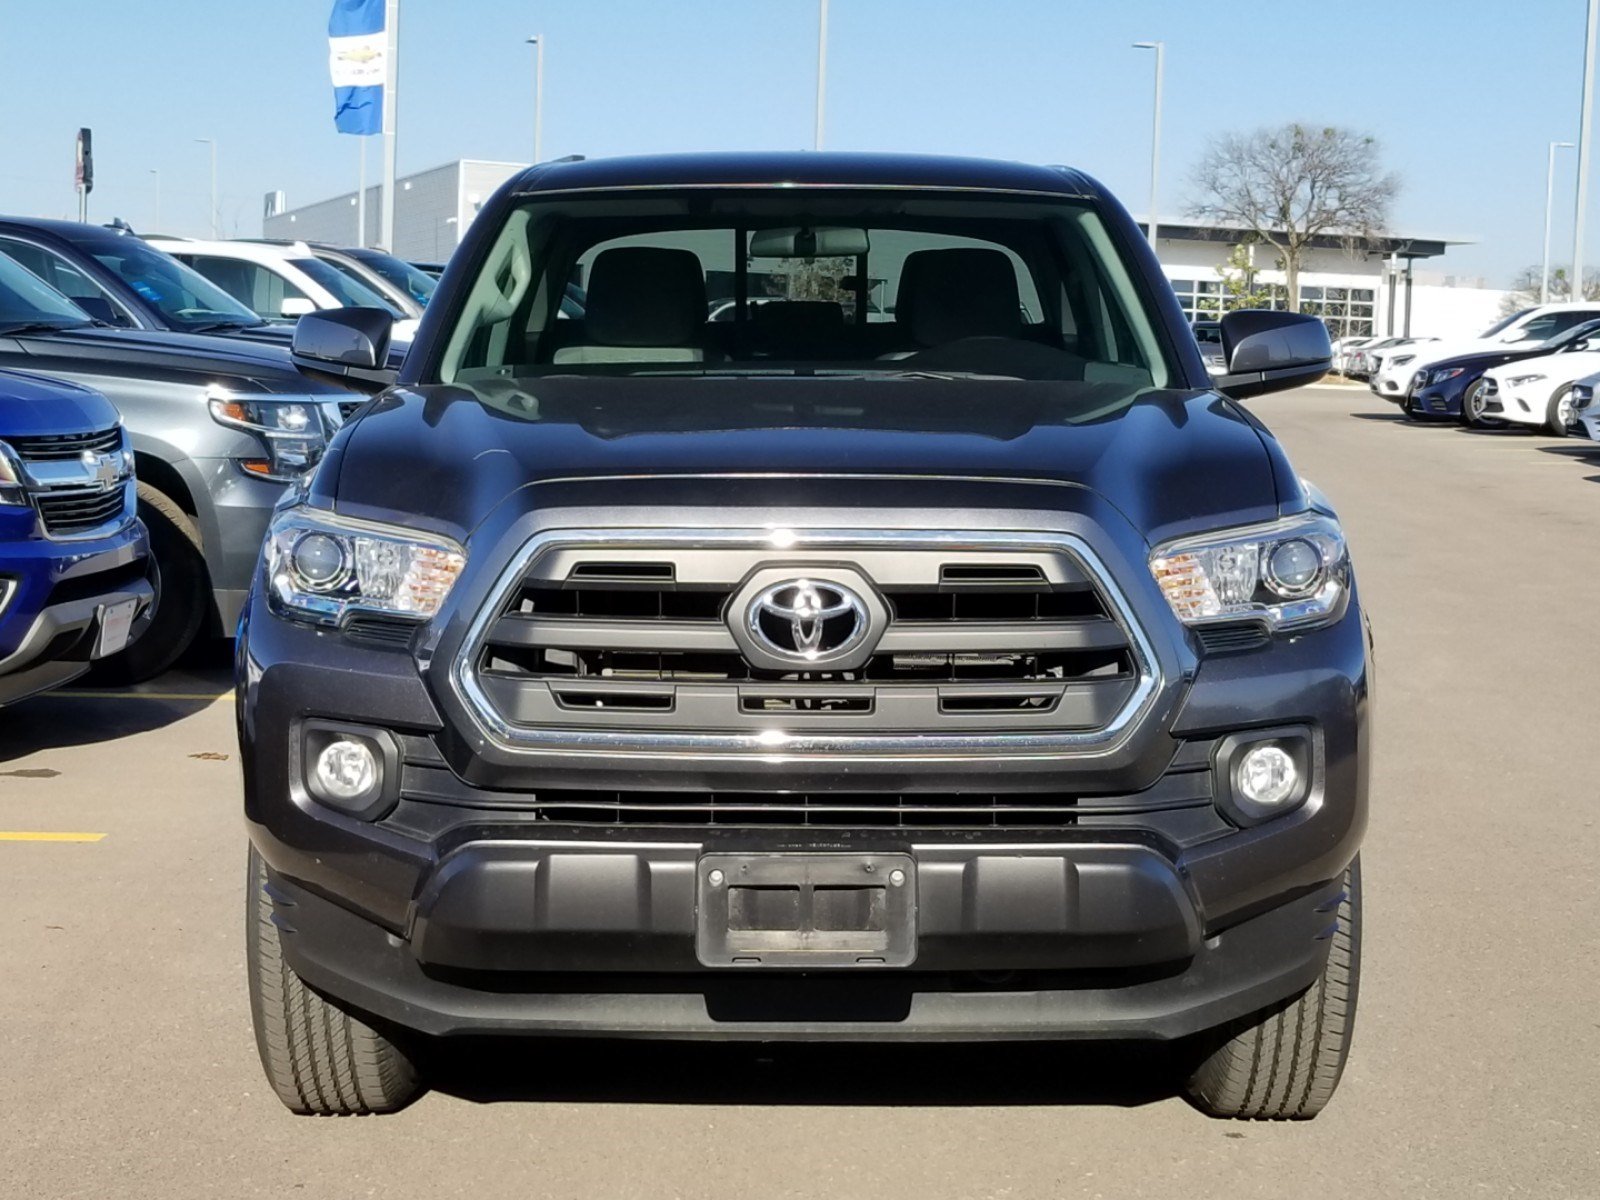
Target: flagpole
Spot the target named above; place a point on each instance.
(361, 196)
(391, 25)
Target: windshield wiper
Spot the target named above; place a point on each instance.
(22, 327)
(213, 326)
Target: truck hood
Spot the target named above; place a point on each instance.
(1170, 461)
(135, 351)
(36, 406)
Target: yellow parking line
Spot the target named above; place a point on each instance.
(49, 837)
(146, 695)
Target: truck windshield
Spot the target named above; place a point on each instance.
(875, 283)
(187, 299)
(27, 302)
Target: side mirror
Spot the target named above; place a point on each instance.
(296, 306)
(1272, 352)
(349, 344)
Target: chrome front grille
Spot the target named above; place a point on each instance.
(80, 483)
(987, 641)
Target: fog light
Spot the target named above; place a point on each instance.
(346, 771)
(1267, 776)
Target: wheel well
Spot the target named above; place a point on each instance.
(162, 476)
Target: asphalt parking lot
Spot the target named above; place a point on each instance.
(127, 1064)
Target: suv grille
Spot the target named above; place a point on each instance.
(593, 639)
(71, 498)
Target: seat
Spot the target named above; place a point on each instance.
(645, 304)
(947, 295)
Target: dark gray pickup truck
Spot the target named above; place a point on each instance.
(983, 672)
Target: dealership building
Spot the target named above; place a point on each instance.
(1379, 286)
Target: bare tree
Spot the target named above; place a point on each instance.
(1524, 291)
(1291, 185)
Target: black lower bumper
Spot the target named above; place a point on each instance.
(61, 642)
(624, 945)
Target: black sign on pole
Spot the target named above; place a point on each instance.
(84, 175)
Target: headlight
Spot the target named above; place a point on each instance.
(1582, 395)
(1291, 574)
(1519, 380)
(1447, 373)
(293, 432)
(12, 488)
(1401, 360)
(320, 567)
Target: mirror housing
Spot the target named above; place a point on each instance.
(1270, 351)
(350, 345)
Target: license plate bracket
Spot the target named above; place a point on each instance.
(116, 622)
(820, 911)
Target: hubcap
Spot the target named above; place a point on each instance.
(1564, 410)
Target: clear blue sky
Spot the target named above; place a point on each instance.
(1463, 94)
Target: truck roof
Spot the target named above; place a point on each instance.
(805, 169)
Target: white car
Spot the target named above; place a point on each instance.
(1538, 324)
(1584, 406)
(1537, 391)
(1345, 349)
(1393, 362)
(280, 282)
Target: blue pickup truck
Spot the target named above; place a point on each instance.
(76, 577)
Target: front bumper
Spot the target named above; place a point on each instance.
(1524, 405)
(459, 913)
(58, 593)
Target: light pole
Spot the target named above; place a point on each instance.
(1549, 199)
(822, 67)
(537, 42)
(216, 230)
(157, 175)
(1583, 150)
(1155, 135)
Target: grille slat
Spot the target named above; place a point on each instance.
(1178, 790)
(78, 511)
(57, 447)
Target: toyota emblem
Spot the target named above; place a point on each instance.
(807, 620)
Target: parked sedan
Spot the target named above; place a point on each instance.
(1584, 408)
(1359, 364)
(1471, 387)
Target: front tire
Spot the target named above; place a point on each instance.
(319, 1059)
(1284, 1064)
(1472, 409)
(1558, 411)
(184, 602)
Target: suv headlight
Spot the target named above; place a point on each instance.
(1446, 373)
(293, 431)
(321, 567)
(1290, 574)
(1582, 395)
(13, 489)
(1400, 360)
(1519, 380)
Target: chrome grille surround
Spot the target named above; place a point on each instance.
(779, 746)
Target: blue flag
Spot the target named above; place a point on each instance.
(358, 51)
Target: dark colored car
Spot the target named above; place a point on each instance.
(984, 673)
(1452, 386)
(115, 277)
(219, 427)
(75, 570)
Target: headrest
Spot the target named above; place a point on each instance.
(799, 318)
(946, 295)
(645, 296)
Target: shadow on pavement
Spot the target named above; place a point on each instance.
(489, 1070)
(87, 712)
